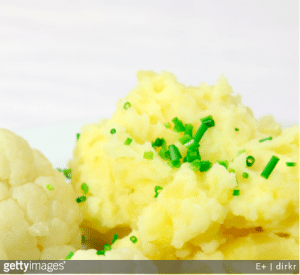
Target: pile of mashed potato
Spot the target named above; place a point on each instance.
(39, 216)
(227, 211)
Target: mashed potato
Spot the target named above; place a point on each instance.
(214, 203)
(39, 216)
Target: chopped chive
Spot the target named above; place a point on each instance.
(195, 165)
(158, 142)
(230, 170)
(78, 136)
(81, 199)
(223, 163)
(100, 252)
(188, 130)
(245, 175)
(167, 125)
(128, 141)
(148, 155)
(126, 105)
(291, 164)
(85, 188)
(205, 165)
(209, 121)
(250, 161)
(200, 132)
(156, 189)
(133, 239)
(174, 152)
(236, 192)
(70, 255)
(107, 247)
(264, 139)
(59, 170)
(114, 238)
(113, 131)
(192, 155)
(236, 129)
(185, 139)
(50, 187)
(192, 145)
(241, 151)
(174, 163)
(269, 167)
(164, 152)
(178, 125)
(83, 238)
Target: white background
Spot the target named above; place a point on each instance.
(63, 61)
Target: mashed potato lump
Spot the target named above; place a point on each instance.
(235, 196)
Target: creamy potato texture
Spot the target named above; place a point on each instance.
(195, 214)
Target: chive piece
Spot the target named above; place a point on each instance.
(200, 132)
(241, 151)
(188, 130)
(81, 199)
(209, 121)
(195, 165)
(291, 164)
(236, 129)
(126, 105)
(107, 247)
(236, 192)
(148, 155)
(128, 141)
(174, 163)
(59, 170)
(164, 152)
(167, 125)
(230, 170)
(224, 163)
(205, 165)
(133, 239)
(185, 139)
(158, 142)
(178, 125)
(156, 189)
(250, 161)
(192, 155)
(85, 188)
(50, 187)
(83, 238)
(70, 255)
(67, 173)
(264, 139)
(113, 131)
(269, 167)
(114, 238)
(174, 152)
(78, 136)
(245, 175)
(192, 145)
(100, 252)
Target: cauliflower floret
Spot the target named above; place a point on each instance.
(38, 209)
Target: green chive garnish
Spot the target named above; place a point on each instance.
(167, 125)
(208, 121)
(191, 156)
(148, 155)
(85, 188)
(78, 136)
(188, 130)
(236, 129)
(164, 152)
(264, 139)
(133, 239)
(100, 252)
(245, 175)
(241, 151)
(70, 255)
(107, 247)
(205, 165)
(113, 131)
(174, 152)
(224, 163)
(156, 189)
(185, 139)
(230, 170)
(158, 142)
(114, 238)
(269, 167)
(178, 125)
(195, 165)
(250, 161)
(83, 238)
(81, 199)
(50, 187)
(291, 164)
(236, 192)
(126, 105)
(128, 141)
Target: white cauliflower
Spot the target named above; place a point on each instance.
(39, 216)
